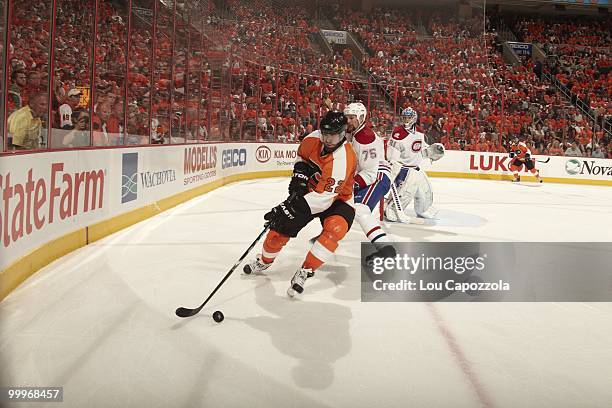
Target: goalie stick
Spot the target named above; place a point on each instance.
(186, 312)
(399, 209)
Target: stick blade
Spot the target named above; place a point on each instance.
(186, 312)
(417, 221)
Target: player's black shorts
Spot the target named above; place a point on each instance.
(340, 208)
(527, 162)
(337, 208)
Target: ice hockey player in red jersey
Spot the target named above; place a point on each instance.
(321, 187)
(521, 156)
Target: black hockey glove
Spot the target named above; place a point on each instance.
(302, 172)
(290, 216)
(511, 154)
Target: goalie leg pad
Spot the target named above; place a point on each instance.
(423, 198)
(390, 213)
(395, 210)
(408, 189)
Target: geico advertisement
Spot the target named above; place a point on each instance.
(45, 195)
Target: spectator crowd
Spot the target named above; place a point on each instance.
(167, 72)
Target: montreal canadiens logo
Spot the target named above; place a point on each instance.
(416, 146)
(263, 154)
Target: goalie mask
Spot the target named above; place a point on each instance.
(409, 118)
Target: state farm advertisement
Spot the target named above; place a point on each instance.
(47, 195)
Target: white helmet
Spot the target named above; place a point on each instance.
(357, 109)
(409, 118)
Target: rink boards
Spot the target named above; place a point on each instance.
(59, 201)
(495, 166)
(56, 202)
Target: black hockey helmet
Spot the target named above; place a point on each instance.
(334, 122)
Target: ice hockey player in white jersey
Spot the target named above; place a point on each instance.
(372, 179)
(406, 150)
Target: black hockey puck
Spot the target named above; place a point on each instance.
(218, 316)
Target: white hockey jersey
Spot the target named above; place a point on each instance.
(370, 152)
(65, 113)
(406, 147)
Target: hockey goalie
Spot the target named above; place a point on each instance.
(406, 149)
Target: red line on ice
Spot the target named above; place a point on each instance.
(461, 359)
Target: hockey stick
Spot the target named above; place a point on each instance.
(543, 161)
(399, 209)
(186, 312)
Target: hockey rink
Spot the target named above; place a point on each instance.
(100, 322)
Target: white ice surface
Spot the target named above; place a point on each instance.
(100, 322)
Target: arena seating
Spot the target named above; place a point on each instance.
(258, 71)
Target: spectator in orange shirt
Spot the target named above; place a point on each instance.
(482, 145)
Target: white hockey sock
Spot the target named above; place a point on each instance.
(369, 224)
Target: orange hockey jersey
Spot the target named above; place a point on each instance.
(520, 150)
(335, 176)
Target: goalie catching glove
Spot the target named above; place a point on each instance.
(290, 216)
(434, 152)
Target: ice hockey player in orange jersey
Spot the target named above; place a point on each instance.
(521, 155)
(321, 187)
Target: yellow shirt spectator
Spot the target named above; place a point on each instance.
(25, 124)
